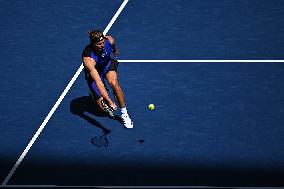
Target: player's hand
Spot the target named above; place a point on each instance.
(115, 52)
(113, 106)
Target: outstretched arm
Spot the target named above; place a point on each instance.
(90, 65)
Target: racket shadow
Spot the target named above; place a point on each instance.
(100, 141)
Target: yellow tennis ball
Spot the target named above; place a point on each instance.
(151, 106)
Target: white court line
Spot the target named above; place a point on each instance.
(189, 61)
(57, 103)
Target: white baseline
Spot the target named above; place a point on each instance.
(57, 103)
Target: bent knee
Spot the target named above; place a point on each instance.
(114, 85)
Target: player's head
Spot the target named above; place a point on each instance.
(97, 39)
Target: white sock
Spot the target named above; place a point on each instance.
(123, 110)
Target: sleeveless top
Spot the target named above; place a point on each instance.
(102, 59)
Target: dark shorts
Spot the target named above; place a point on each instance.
(112, 66)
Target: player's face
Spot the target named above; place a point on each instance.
(100, 44)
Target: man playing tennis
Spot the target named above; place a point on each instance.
(98, 66)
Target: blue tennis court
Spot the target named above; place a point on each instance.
(214, 123)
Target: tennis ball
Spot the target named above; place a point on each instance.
(151, 106)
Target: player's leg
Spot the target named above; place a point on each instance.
(112, 79)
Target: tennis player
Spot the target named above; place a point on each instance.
(98, 67)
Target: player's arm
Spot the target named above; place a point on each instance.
(112, 42)
(90, 65)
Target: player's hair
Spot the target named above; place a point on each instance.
(95, 36)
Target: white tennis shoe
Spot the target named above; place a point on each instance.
(127, 121)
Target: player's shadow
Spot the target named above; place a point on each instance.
(81, 105)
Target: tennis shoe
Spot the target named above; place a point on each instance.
(127, 121)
